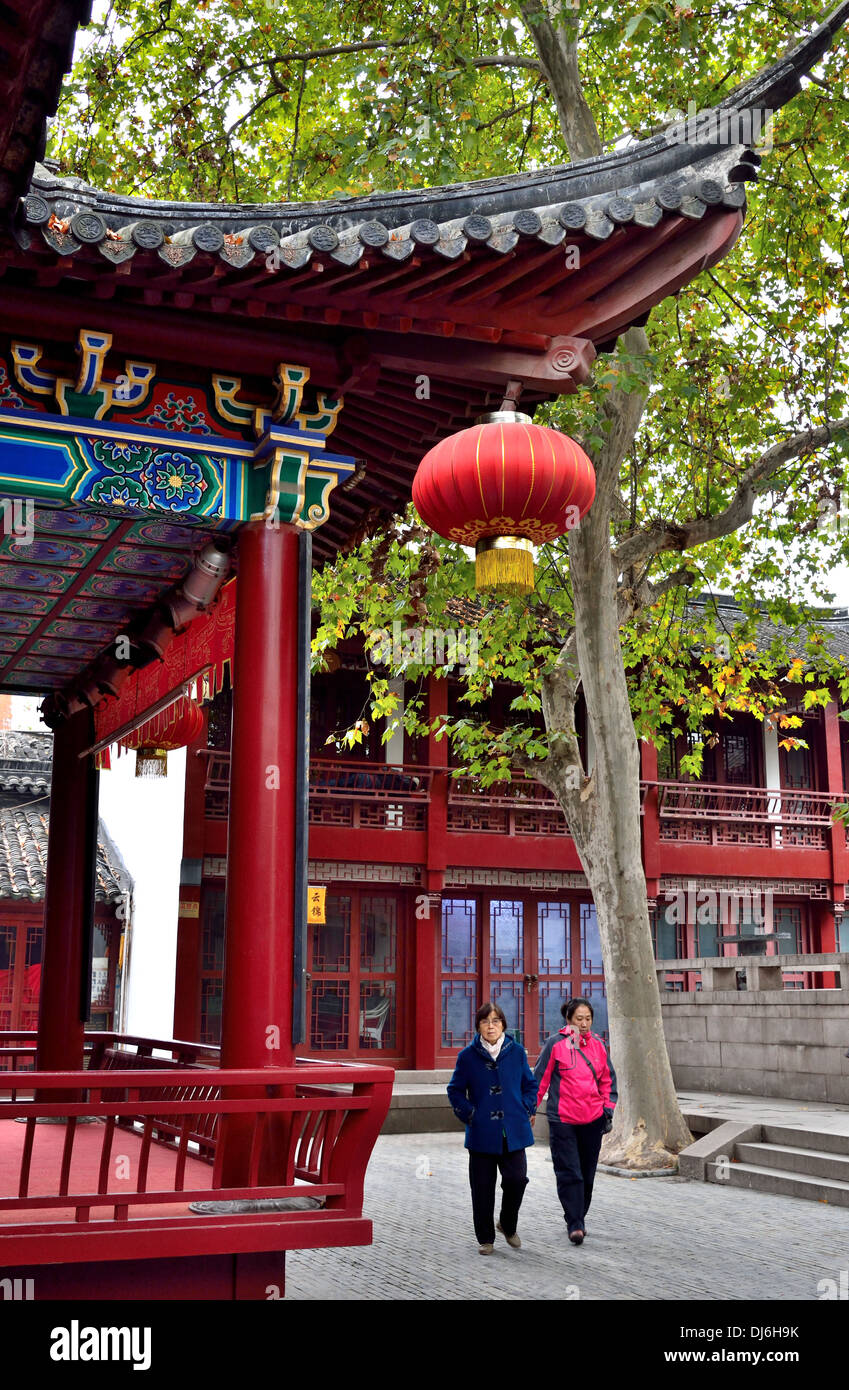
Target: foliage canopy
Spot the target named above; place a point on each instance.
(255, 100)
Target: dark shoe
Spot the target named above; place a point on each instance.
(577, 1237)
(511, 1240)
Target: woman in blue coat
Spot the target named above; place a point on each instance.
(494, 1093)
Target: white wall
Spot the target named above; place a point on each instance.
(144, 816)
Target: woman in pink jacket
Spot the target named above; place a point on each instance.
(575, 1069)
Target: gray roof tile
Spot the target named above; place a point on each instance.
(25, 763)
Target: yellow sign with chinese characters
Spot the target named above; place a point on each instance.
(315, 904)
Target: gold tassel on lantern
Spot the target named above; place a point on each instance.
(151, 762)
(504, 564)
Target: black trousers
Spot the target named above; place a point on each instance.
(574, 1153)
(483, 1168)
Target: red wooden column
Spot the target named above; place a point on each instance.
(69, 905)
(650, 819)
(837, 836)
(189, 946)
(429, 926)
(257, 1004)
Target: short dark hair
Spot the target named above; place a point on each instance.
(484, 1012)
(571, 1007)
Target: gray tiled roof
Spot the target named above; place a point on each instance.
(833, 623)
(663, 176)
(25, 763)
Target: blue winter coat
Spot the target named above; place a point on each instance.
(494, 1099)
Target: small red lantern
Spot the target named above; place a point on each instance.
(503, 486)
(175, 727)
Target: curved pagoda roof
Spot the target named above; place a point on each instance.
(433, 260)
(459, 289)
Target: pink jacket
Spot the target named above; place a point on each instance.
(573, 1096)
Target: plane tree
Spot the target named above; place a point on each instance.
(718, 432)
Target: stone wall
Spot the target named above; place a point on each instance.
(785, 1043)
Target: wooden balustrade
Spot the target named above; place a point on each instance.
(332, 1111)
(711, 814)
(359, 794)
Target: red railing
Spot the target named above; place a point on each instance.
(109, 1049)
(352, 793)
(369, 796)
(17, 1053)
(126, 1051)
(329, 1115)
(518, 807)
(112, 1052)
(705, 813)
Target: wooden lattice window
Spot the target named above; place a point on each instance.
(737, 749)
(212, 965)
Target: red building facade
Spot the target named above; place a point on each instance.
(441, 894)
(25, 769)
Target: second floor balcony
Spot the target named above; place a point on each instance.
(362, 794)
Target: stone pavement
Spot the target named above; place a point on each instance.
(658, 1238)
(768, 1110)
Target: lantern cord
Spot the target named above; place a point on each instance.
(512, 392)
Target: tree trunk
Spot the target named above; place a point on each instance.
(649, 1128)
(604, 817)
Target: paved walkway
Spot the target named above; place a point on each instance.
(657, 1238)
(767, 1110)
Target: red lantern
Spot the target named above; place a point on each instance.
(503, 486)
(175, 727)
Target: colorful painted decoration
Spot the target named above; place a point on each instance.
(8, 395)
(180, 414)
(200, 658)
(112, 478)
(504, 485)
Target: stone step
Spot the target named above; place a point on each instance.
(814, 1163)
(420, 1109)
(423, 1078)
(824, 1140)
(759, 1179)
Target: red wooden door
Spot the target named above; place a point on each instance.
(8, 955)
(21, 946)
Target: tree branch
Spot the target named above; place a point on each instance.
(295, 133)
(658, 536)
(555, 36)
(503, 115)
(680, 577)
(509, 60)
(281, 59)
(624, 411)
(505, 60)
